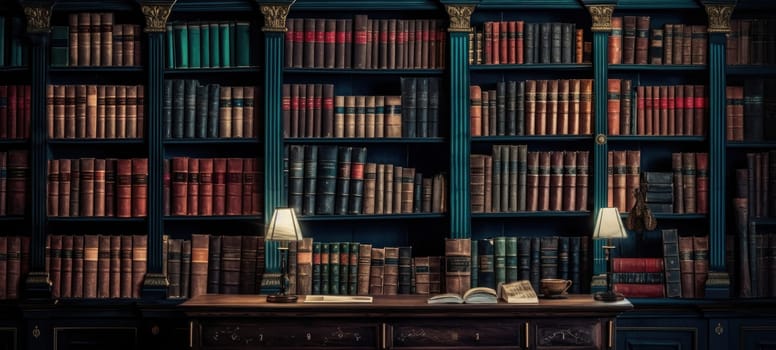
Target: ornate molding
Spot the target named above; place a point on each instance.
(719, 18)
(38, 18)
(602, 17)
(155, 17)
(460, 17)
(156, 280)
(275, 17)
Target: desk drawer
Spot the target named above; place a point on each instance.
(582, 334)
(493, 333)
(289, 334)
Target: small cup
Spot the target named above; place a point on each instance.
(554, 286)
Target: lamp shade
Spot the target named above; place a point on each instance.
(284, 226)
(608, 224)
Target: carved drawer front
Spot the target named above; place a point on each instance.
(582, 334)
(459, 334)
(657, 338)
(113, 338)
(753, 336)
(289, 334)
(8, 338)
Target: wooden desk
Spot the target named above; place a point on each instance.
(400, 322)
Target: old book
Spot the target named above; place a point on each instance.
(115, 266)
(103, 266)
(230, 265)
(356, 194)
(409, 94)
(125, 260)
(673, 278)
(613, 106)
(702, 182)
(555, 181)
(477, 182)
(616, 41)
(304, 266)
(678, 181)
(326, 180)
(139, 187)
(569, 194)
(139, 259)
(234, 193)
(214, 264)
(544, 180)
(628, 39)
(457, 265)
(370, 187)
(185, 268)
(52, 208)
(344, 159)
(377, 271)
(687, 266)
(688, 181)
(174, 252)
(701, 264)
(200, 245)
(248, 257)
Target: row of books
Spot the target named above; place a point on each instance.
(13, 50)
(623, 178)
(640, 277)
(517, 42)
(14, 264)
(658, 190)
(337, 180)
(14, 178)
(658, 110)
(93, 39)
(88, 187)
(532, 107)
(96, 266)
(750, 109)
(364, 43)
(206, 44)
(95, 111)
(513, 179)
(212, 186)
(505, 259)
(751, 255)
(750, 41)
(757, 183)
(15, 111)
(691, 182)
(194, 110)
(632, 41)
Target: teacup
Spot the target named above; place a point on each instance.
(554, 286)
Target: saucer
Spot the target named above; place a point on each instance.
(556, 296)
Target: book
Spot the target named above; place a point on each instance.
(476, 295)
(518, 292)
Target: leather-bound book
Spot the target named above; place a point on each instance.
(626, 107)
(532, 181)
(370, 118)
(121, 111)
(628, 39)
(555, 198)
(75, 185)
(234, 186)
(569, 181)
(73, 30)
(393, 116)
(698, 44)
(552, 121)
(619, 177)
(370, 185)
(248, 264)
(225, 112)
(687, 266)
(308, 43)
(131, 111)
(296, 173)
(86, 187)
(115, 266)
(90, 125)
(80, 112)
(541, 118)
(668, 43)
(422, 106)
(359, 117)
(54, 263)
(139, 259)
(230, 264)
(52, 208)
(118, 45)
(91, 266)
(548, 257)
(544, 180)
(613, 106)
(125, 257)
(655, 53)
(616, 41)
(76, 266)
(295, 60)
(673, 277)
(339, 116)
(111, 193)
(586, 107)
(238, 106)
(687, 44)
(677, 57)
(485, 269)
(701, 264)
(205, 186)
(679, 187)
(249, 112)
(363, 268)
(699, 111)
(214, 264)
(391, 271)
(140, 187)
(219, 186)
(355, 199)
(10, 250)
(477, 182)
(408, 106)
(360, 24)
(379, 189)
(582, 180)
(343, 180)
(185, 268)
(103, 267)
(191, 182)
(199, 264)
(334, 255)
(286, 109)
(69, 112)
(562, 116)
(328, 53)
(248, 185)
(457, 265)
(84, 39)
(327, 112)
(304, 266)
(349, 117)
(475, 110)
(642, 40)
(574, 109)
(58, 116)
(377, 271)
(632, 179)
(688, 181)
(326, 180)
(671, 108)
(702, 182)
(492, 174)
(123, 188)
(389, 190)
(98, 187)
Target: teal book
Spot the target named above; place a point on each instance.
(60, 45)
(475, 264)
(170, 35)
(500, 259)
(204, 45)
(344, 267)
(316, 268)
(181, 32)
(325, 275)
(225, 40)
(232, 44)
(353, 268)
(194, 45)
(242, 44)
(334, 268)
(215, 45)
(511, 259)
(405, 270)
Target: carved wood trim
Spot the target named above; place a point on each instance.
(601, 16)
(460, 17)
(275, 17)
(38, 18)
(719, 18)
(155, 17)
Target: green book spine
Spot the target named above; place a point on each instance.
(60, 56)
(334, 270)
(243, 44)
(194, 45)
(325, 261)
(475, 264)
(353, 268)
(215, 45)
(511, 259)
(225, 39)
(170, 46)
(344, 267)
(181, 45)
(204, 45)
(316, 268)
(232, 45)
(500, 259)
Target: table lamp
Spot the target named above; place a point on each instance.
(608, 226)
(283, 227)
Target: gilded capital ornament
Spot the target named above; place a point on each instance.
(274, 17)
(155, 17)
(602, 17)
(38, 18)
(156, 280)
(719, 18)
(460, 17)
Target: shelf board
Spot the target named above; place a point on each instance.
(201, 218)
(532, 138)
(351, 71)
(649, 138)
(743, 144)
(676, 216)
(211, 71)
(12, 218)
(657, 67)
(532, 66)
(133, 141)
(372, 217)
(531, 214)
(210, 141)
(14, 69)
(751, 70)
(14, 142)
(100, 69)
(764, 221)
(94, 219)
(353, 140)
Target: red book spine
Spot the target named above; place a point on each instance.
(520, 42)
(699, 114)
(124, 188)
(103, 267)
(179, 187)
(91, 261)
(219, 186)
(686, 266)
(16, 183)
(248, 181)
(234, 169)
(115, 266)
(640, 290)
(77, 289)
(637, 264)
(192, 190)
(511, 42)
(205, 190)
(140, 187)
(702, 182)
(641, 113)
(3, 267)
(613, 106)
(615, 41)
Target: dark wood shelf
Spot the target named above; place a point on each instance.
(532, 138)
(210, 141)
(360, 217)
(531, 66)
(351, 71)
(672, 68)
(97, 69)
(744, 144)
(132, 141)
(173, 72)
(205, 218)
(656, 138)
(532, 214)
(359, 140)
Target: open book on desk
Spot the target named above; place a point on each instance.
(518, 292)
(476, 295)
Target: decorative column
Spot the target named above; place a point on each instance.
(602, 26)
(460, 133)
(155, 282)
(37, 285)
(718, 282)
(274, 34)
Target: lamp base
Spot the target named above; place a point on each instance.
(281, 298)
(608, 296)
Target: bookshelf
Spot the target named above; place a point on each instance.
(447, 152)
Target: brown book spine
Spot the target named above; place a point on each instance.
(701, 264)
(13, 266)
(364, 267)
(649, 111)
(615, 41)
(140, 187)
(586, 107)
(304, 267)
(179, 185)
(407, 190)
(642, 39)
(84, 39)
(641, 113)
(628, 39)
(106, 39)
(125, 256)
(532, 182)
(90, 115)
(458, 260)
(688, 182)
(52, 186)
(219, 186)
(370, 187)
(73, 47)
(91, 265)
(70, 111)
(249, 112)
(702, 182)
(99, 187)
(225, 112)
(86, 187)
(570, 181)
(613, 106)
(230, 264)
(101, 110)
(115, 266)
(123, 188)
(475, 110)
(139, 258)
(238, 106)
(140, 112)
(75, 187)
(55, 264)
(130, 108)
(205, 188)
(582, 180)
(699, 110)
(80, 111)
(626, 104)
(556, 181)
(676, 168)
(376, 271)
(110, 187)
(541, 117)
(234, 186)
(632, 179)
(391, 271)
(192, 187)
(620, 178)
(77, 287)
(50, 102)
(199, 263)
(110, 111)
(64, 187)
(121, 111)
(544, 180)
(477, 182)
(687, 266)
(103, 267)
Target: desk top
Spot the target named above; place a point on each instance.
(397, 305)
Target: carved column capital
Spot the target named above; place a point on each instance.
(602, 17)
(155, 17)
(719, 17)
(38, 18)
(275, 17)
(460, 17)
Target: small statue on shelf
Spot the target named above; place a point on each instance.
(640, 217)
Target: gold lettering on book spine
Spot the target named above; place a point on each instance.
(719, 18)
(155, 17)
(460, 17)
(275, 17)
(602, 17)
(38, 18)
